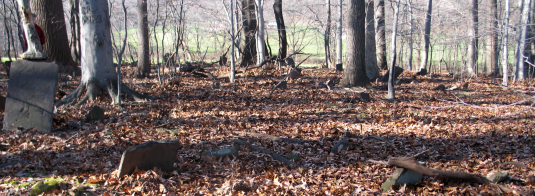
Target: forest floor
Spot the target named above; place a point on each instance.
(478, 130)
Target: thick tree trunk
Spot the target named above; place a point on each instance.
(472, 47)
(143, 61)
(327, 35)
(505, 50)
(371, 57)
(380, 34)
(98, 72)
(423, 63)
(249, 27)
(34, 49)
(391, 93)
(519, 74)
(51, 19)
(492, 46)
(355, 72)
(281, 29)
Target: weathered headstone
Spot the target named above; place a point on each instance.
(30, 95)
(95, 114)
(146, 156)
(397, 72)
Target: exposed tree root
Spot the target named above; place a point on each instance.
(93, 89)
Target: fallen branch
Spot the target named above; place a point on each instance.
(411, 163)
(266, 151)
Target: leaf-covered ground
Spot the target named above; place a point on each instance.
(476, 130)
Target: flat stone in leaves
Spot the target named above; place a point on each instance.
(222, 152)
(95, 114)
(30, 95)
(146, 156)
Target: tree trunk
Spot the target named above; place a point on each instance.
(519, 74)
(505, 52)
(411, 39)
(371, 57)
(74, 21)
(339, 35)
(380, 35)
(143, 51)
(260, 44)
(492, 46)
(391, 93)
(327, 35)
(281, 28)
(355, 72)
(423, 63)
(472, 48)
(52, 20)
(98, 72)
(34, 50)
(249, 27)
(232, 44)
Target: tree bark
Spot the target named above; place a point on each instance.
(281, 29)
(260, 44)
(519, 74)
(505, 50)
(339, 35)
(34, 49)
(143, 61)
(372, 71)
(355, 72)
(380, 35)
(472, 48)
(391, 93)
(327, 35)
(411, 39)
(423, 63)
(98, 72)
(492, 46)
(51, 19)
(249, 27)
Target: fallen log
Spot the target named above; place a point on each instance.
(411, 163)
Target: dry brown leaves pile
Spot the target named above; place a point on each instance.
(473, 125)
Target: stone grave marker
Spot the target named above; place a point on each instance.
(146, 156)
(30, 95)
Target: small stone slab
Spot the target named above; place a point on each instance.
(222, 152)
(95, 114)
(365, 96)
(343, 144)
(401, 176)
(30, 95)
(498, 176)
(397, 72)
(146, 156)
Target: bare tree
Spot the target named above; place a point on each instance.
(492, 37)
(355, 72)
(143, 51)
(98, 72)
(391, 92)
(519, 68)
(34, 50)
(249, 26)
(260, 44)
(423, 63)
(505, 50)
(327, 35)
(472, 47)
(411, 38)
(380, 34)
(339, 35)
(371, 57)
(51, 18)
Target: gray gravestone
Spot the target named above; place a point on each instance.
(146, 156)
(30, 95)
